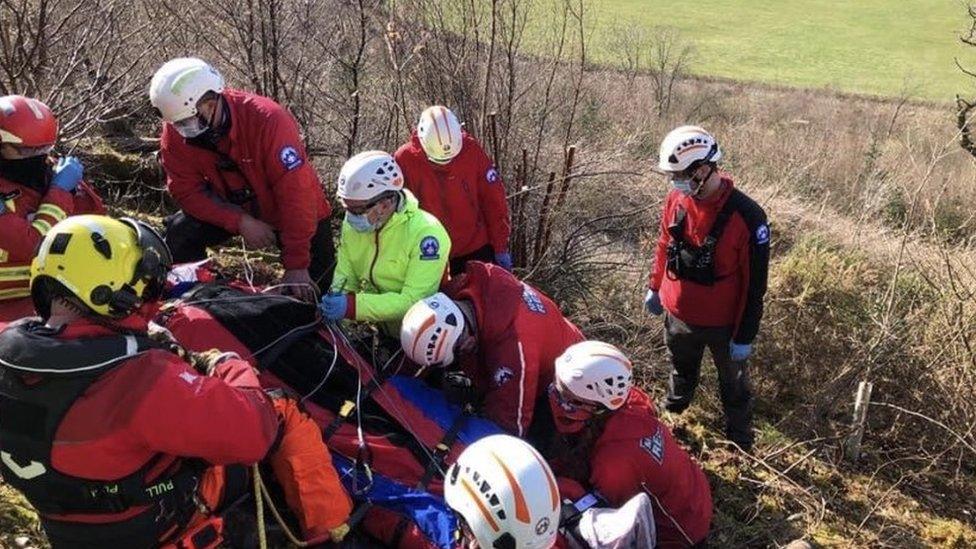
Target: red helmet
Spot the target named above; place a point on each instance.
(26, 122)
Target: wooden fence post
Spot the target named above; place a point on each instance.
(861, 403)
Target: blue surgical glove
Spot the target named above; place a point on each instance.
(652, 302)
(333, 306)
(68, 173)
(739, 351)
(504, 260)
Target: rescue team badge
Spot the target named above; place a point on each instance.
(492, 175)
(532, 300)
(502, 375)
(654, 445)
(430, 248)
(762, 234)
(289, 158)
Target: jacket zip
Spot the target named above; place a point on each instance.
(376, 255)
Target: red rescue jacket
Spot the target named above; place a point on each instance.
(521, 332)
(271, 163)
(741, 263)
(467, 195)
(636, 452)
(155, 403)
(28, 217)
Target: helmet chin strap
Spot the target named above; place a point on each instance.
(701, 184)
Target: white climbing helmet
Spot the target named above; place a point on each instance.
(440, 134)
(595, 372)
(179, 84)
(685, 145)
(430, 330)
(368, 175)
(506, 493)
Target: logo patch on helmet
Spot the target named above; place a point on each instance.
(532, 300)
(542, 526)
(762, 234)
(289, 158)
(654, 445)
(492, 175)
(430, 248)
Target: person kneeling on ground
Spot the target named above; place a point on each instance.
(504, 494)
(503, 335)
(391, 253)
(116, 440)
(35, 193)
(236, 165)
(602, 432)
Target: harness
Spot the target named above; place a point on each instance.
(40, 379)
(685, 261)
(225, 163)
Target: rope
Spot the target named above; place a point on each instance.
(261, 496)
(259, 507)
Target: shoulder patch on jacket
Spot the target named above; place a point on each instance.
(532, 300)
(492, 175)
(762, 234)
(654, 445)
(430, 248)
(290, 159)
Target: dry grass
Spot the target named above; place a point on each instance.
(873, 272)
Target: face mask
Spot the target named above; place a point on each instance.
(191, 127)
(692, 185)
(199, 129)
(360, 222)
(683, 186)
(33, 172)
(568, 418)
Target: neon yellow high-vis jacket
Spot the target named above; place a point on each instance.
(391, 269)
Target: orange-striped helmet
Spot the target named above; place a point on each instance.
(686, 147)
(594, 372)
(506, 494)
(440, 134)
(430, 330)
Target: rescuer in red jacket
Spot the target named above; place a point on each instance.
(453, 178)
(236, 165)
(500, 333)
(35, 193)
(116, 440)
(709, 273)
(603, 433)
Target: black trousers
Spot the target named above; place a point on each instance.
(686, 348)
(188, 239)
(485, 254)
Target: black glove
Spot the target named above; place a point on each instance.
(458, 389)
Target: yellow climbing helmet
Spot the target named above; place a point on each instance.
(111, 266)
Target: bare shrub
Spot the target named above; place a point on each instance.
(84, 58)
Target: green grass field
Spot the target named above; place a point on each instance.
(883, 47)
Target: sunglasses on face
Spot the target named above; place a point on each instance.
(361, 210)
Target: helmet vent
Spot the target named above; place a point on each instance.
(60, 243)
(102, 246)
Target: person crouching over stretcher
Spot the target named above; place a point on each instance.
(116, 440)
